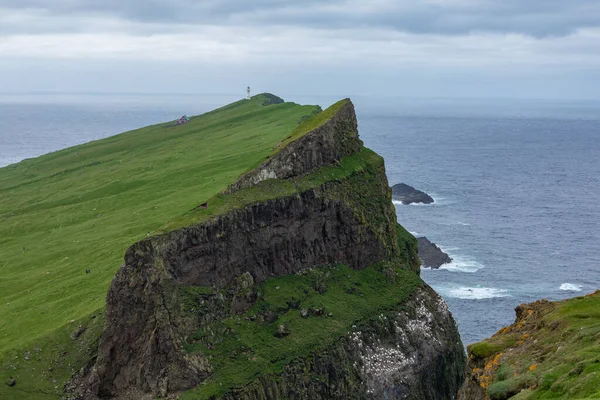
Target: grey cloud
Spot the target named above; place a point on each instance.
(530, 17)
(543, 18)
(165, 11)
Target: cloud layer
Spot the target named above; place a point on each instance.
(378, 36)
(535, 18)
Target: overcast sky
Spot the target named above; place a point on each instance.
(479, 48)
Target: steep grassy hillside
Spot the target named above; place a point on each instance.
(552, 351)
(262, 259)
(80, 208)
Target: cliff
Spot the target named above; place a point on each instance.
(295, 282)
(550, 351)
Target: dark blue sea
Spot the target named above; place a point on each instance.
(516, 183)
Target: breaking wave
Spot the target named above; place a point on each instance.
(399, 203)
(474, 293)
(570, 287)
(460, 263)
(437, 201)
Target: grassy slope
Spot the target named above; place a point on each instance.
(555, 356)
(80, 208)
(42, 368)
(42, 376)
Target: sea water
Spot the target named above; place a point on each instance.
(516, 183)
(516, 187)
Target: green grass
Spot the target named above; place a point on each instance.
(80, 208)
(553, 356)
(314, 122)
(484, 349)
(42, 368)
(247, 347)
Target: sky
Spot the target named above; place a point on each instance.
(437, 48)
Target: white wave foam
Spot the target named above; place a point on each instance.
(456, 266)
(441, 200)
(399, 203)
(460, 263)
(448, 249)
(570, 287)
(415, 234)
(437, 201)
(475, 293)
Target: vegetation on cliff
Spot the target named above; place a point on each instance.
(316, 307)
(80, 208)
(236, 287)
(552, 351)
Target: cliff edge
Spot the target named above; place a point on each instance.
(550, 351)
(296, 282)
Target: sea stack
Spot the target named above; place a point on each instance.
(408, 194)
(431, 256)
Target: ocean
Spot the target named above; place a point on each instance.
(516, 183)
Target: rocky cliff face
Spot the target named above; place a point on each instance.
(486, 358)
(408, 354)
(333, 215)
(336, 138)
(279, 237)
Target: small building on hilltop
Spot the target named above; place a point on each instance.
(183, 120)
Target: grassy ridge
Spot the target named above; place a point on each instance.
(310, 124)
(551, 353)
(80, 208)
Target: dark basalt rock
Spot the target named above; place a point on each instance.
(282, 331)
(270, 316)
(431, 256)
(141, 345)
(76, 334)
(408, 194)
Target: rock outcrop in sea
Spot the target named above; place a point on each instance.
(431, 255)
(192, 309)
(408, 194)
